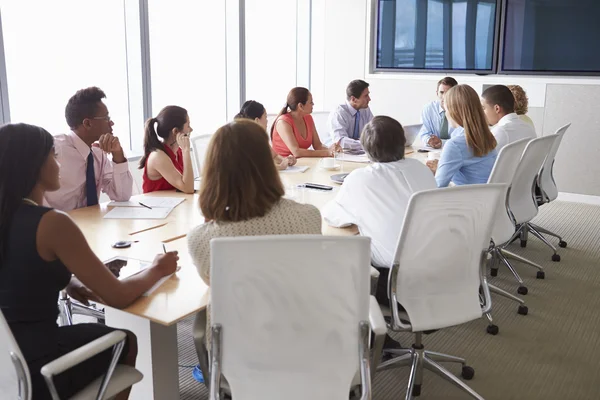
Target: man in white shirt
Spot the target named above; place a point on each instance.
(85, 169)
(375, 198)
(347, 121)
(498, 105)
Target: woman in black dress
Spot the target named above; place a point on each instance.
(42, 251)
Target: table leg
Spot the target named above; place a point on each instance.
(157, 355)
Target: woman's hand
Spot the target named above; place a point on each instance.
(183, 140)
(166, 263)
(291, 160)
(432, 164)
(334, 148)
(78, 291)
(282, 164)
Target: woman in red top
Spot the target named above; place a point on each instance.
(167, 163)
(294, 130)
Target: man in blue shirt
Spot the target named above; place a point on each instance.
(435, 127)
(347, 121)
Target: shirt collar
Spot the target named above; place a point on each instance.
(351, 109)
(440, 108)
(79, 145)
(507, 119)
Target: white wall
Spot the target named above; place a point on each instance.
(342, 30)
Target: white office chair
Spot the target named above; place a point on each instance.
(290, 317)
(440, 288)
(504, 171)
(547, 186)
(522, 204)
(15, 381)
(199, 146)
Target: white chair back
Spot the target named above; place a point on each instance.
(15, 381)
(440, 254)
(199, 146)
(503, 172)
(546, 179)
(521, 197)
(289, 308)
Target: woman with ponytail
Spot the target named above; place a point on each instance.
(167, 163)
(256, 112)
(294, 130)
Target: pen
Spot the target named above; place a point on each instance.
(164, 248)
(143, 205)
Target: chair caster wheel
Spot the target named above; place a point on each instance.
(522, 290)
(562, 244)
(556, 257)
(416, 390)
(493, 329)
(523, 243)
(523, 310)
(467, 373)
(494, 272)
(540, 275)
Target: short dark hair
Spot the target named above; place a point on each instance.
(355, 88)
(500, 95)
(383, 139)
(82, 105)
(448, 81)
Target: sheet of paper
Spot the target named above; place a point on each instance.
(353, 158)
(294, 169)
(138, 213)
(158, 284)
(165, 202)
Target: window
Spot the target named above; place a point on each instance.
(187, 60)
(436, 35)
(270, 51)
(49, 58)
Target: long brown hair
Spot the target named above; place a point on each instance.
(167, 119)
(239, 179)
(298, 95)
(464, 107)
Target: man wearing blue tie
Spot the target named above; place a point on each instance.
(435, 124)
(347, 121)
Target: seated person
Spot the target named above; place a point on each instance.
(42, 252)
(375, 198)
(252, 204)
(167, 163)
(85, 168)
(294, 130)
(521, 103)
(256, 112)
(468, 157)
(435, 122)
(499, 108)
(347, 121)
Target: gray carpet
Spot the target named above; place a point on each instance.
(552, 353)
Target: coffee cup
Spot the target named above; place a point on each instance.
(328, 162)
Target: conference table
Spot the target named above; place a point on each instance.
(154, 318)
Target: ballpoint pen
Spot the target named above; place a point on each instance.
(164, 248)
(143, 205)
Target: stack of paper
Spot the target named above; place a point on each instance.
(294, 169)
(353, 158)
(143, 207)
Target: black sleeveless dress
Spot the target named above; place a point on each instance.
(29, 290)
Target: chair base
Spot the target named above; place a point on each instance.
(524, 229)
(68, 308)
(418, 358)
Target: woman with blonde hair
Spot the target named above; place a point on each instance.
(521, 102)
(467, 158)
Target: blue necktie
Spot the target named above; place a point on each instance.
(356, 134)
(90, 182)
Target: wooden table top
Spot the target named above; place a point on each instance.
(185, 293)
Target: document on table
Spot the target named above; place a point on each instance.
(163, 202)
(159, 283)
(138, 213)
(294, 169)
(353, 158)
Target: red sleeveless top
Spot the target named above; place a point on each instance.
(279, 145)
(149, 185)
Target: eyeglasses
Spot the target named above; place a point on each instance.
(106, 118)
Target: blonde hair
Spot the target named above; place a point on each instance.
(521, 99)
(464, 107)
(239, 179)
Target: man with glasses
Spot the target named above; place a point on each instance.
(85, 168)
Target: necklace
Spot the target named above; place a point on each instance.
(29, 201)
